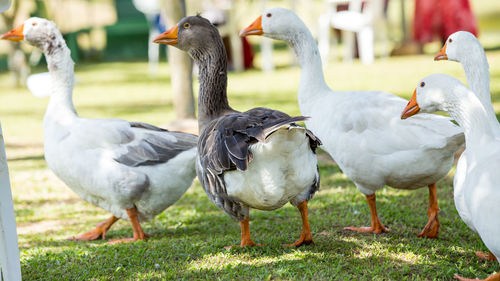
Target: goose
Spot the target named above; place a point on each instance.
(463, 47)
(132, 170)
(257, 159)
(480, 194)
(362, 130)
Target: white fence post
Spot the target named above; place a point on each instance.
(4, 5)
(10, 268)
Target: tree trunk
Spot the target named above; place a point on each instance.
(180, 64)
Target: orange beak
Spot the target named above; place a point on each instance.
(442, 54)
(412, 107)
(254, 29)
(15, 34)
(168, 37)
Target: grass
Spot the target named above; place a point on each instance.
(188, 239)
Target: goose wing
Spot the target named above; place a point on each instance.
(152, 145)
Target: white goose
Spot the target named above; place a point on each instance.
(362, 130)
(463, 47)
(478, 201)
(133, 170)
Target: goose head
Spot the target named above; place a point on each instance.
(431, 94)
(458, 45)
(190, 34)
(276, 23)
(38, 32)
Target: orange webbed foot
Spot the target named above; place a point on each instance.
(488, 257)
(143, 237)
(431, 229)
(124, 240)
(98, 232)
(368, 229)
(243, 244)
(303, 240)
(93, 234)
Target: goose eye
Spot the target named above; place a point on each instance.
(187, 25)
(34, 23)
(269, 15)
(422, 84)
(450, 40)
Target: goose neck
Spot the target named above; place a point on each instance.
(212, 98)
(312, 81)
(61, 71)
(476, 70)
(478, 124)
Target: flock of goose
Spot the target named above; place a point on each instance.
(261, 158)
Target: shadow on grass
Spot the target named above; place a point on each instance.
(188, 242)
(28, 158)
(191, 256)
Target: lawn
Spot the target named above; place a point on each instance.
(188, 238)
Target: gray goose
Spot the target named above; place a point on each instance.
(257, 159)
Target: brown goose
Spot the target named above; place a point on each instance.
(255, 159)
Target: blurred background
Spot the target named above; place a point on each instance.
(365, 45)
(96, 30)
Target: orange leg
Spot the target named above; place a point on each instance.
(98, 232)
(377, 226)
(487, 257)
(138, 232)
(245, 235)
(494, 277)
(431, 229)
(306, 236)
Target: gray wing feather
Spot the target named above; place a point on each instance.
(147, 126)
(153, 148)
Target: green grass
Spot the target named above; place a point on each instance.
(188, 239)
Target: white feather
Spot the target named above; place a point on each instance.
(282, 170)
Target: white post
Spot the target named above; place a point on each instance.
(266, 48)
(9, 251)
(4, 5)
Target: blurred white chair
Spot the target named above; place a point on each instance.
(151, 8)
(362, 20)
(266, 43)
